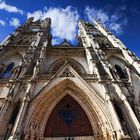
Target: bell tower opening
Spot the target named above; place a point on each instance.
(68, 119)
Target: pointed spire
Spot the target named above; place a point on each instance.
(65, 43)
(30, 20)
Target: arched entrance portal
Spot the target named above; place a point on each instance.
(68, 119)
(67, 111)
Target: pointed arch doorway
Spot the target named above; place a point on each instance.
(68, 119)
(53, 102)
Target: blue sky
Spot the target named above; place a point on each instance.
(122, 17)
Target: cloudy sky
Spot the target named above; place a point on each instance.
(122, 17)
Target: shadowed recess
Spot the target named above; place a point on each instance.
(68, 119)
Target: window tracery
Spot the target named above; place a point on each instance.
(16, 72)
(77, 67)
(26, 40)
(121, 73)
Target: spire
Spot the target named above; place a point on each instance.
(65, 43)
(30, 20)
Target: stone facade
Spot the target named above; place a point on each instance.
(65, 92)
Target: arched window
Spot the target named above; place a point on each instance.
(16, 71)
(8, 71)
(74, 64)
(102, 45)
(120, 72)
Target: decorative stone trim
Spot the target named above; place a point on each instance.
(67, 73)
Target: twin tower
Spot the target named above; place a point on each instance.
(63, 92)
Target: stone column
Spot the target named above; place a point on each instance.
(128, 109)
(16, 133)
(95, 69)
(91, 63)
(8, 39)
(89, 60)
(102, 58)
(38, 63)
(26, 61)
(133, 118)
(37, 40)
(3, 116)
(117, 125)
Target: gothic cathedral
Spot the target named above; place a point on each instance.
(63, 92)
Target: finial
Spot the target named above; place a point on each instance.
(30, 19)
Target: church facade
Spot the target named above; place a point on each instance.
(63, 92)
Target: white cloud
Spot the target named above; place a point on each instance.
(115, 27)
(2, 23)
(64, 21)
(36, 14)
(14, 22)
(9, 8)
(92, 14)
(113, 22)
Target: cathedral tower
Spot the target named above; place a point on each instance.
(65, 92)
